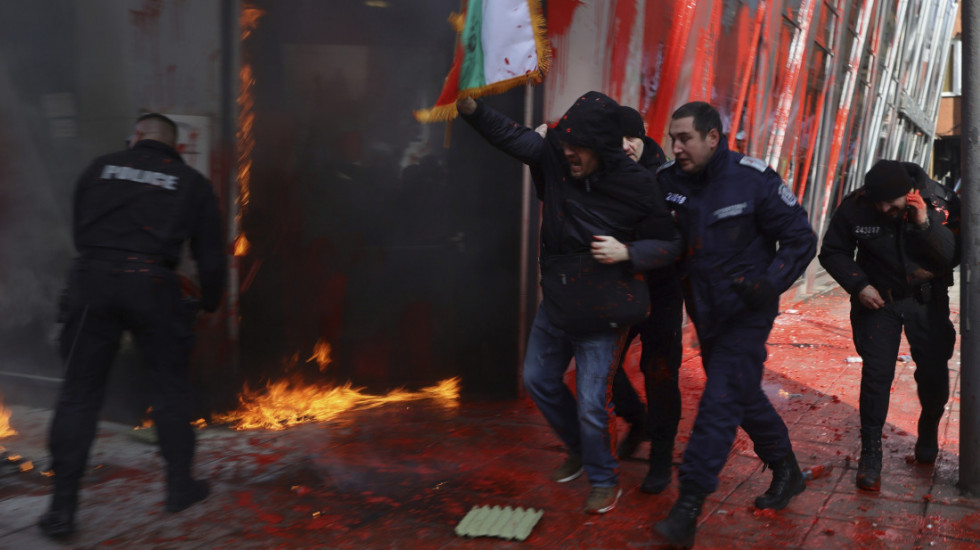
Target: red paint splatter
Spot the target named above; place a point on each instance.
(560, 15)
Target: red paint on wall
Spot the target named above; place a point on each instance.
(618, 44)
(560, 15)
(672, 63)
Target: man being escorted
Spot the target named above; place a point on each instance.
(592, 194)
(133, 211)
(748, 239)
(905, 229)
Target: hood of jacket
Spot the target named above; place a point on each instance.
(592, 122)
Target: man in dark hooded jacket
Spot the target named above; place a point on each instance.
(590, 192)
(905, 229)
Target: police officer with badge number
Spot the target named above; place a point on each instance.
(905, 229)
(133, 211)
(748, 240)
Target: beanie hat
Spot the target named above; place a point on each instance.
(631, 122)
(887, 180)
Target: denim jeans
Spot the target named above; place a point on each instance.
(585, 427)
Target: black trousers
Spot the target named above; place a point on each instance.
(732, 398)
(660, 362)
(877, 336)
(106, 298)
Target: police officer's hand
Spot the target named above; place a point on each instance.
(870, 298)
(466, 105)
(607, 250)
(757, 293)
(918, 213)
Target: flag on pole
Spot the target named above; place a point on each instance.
(500, 44)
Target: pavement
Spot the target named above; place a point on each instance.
(403, 475)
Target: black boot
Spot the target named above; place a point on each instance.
(787, 482)
(186, 493)
(682, 521)
(59, 520)
(869, 466)
(661, 468)
(927, 445)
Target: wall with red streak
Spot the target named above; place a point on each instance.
(658, 54)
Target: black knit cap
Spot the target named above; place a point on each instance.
(887, 180)
(631, 121)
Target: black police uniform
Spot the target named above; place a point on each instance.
(133, 210)
(911, 268)
(660, 362)
(732, 214)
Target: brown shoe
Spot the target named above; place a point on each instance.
(602, 499)
(569, 470)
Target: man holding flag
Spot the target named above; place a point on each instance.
(594, 198)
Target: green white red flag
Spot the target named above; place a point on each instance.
(500, 44)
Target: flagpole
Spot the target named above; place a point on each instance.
(524, 288)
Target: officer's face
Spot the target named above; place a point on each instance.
(582, 161)
(691, 150)
(633, 147)
(894, 208)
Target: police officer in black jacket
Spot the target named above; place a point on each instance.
(905, 229)
(133, 211)
(748, 240)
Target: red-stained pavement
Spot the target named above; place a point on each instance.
(404, 475)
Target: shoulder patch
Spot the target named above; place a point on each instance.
(753, 162)
(787, 195)
(665, 165)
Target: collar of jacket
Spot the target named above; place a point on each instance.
(158, 146)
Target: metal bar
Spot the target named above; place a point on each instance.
(524, 290)
(844, 109)
(970, 269)
(743, 86)
(797, 54)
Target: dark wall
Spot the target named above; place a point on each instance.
(366, 232)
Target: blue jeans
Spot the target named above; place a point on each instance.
(585, 427)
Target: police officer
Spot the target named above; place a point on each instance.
(748, 240)
(133, 211)
(905, 228)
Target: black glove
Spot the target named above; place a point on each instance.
(757, 293)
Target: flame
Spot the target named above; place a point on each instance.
(26, 466)
(5, 429)
(247, 22)
(200, 423)
(242, 246)
(285, 403)
(147, 421)
(321, 354)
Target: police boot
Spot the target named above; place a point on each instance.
(661, 468)
(869, 466)
(927, 445)
(184, 491)
(681, 523)
(59, 520)
(787, 482)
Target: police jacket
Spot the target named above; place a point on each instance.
(146, 200)
(733, 214)
(621, 199)
(893, 256)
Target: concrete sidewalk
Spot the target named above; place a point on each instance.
(402, 476)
